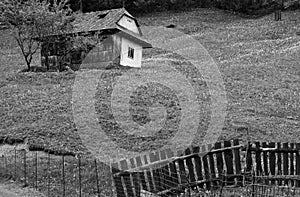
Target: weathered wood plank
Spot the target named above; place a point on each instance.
(119, 186)
(298, 163)
(237, 161)
(292, 169)
(206, 168)
(157, 180)
(249, 162)
(198, 165)
(142, 179)
(286, 162)
(174, 176)
(258, 159)
(279, 163)
(150, 180)
(128, 184)
(272, 161)
(136, 184)
(212, 166)
(220, 164)
(229, 162)
(190, 166)
(183, 175)
(265, 162)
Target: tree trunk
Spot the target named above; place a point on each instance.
(28, 65)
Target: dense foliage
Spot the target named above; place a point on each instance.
(32, 22)
(141, 6)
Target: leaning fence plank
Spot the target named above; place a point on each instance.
(167, 179)
(211, 165)
(285, 162)
(119, 186)
(142, 179)
(157, 179)
(220, 165)
(272, 160)
(136, 185)
(292, 169)
(229, 162)
(183, 175)
(298, 163)
(279, 163)
(128, 184)
(174, 175)
(237, 159)
(150, 180)
(198, 165)
(97, 177)
(190, 166)
(258, 159)
(249, 162)
(206, 168)
(265, 162)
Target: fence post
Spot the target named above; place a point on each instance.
(79, 175)
(49, 173)
(224, 178)
(15, 176)
(6, 169)
(25, 171)
(253, 184)
(36, 170)
(97, 178)
(63, 176)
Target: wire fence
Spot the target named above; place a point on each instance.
(251, 186)
(57, 175)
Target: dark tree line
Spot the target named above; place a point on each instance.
(142, 6)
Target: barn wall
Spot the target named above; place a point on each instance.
(117, 43)
(129, 24)
(125, 60)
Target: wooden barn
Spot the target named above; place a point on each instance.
(120, 42)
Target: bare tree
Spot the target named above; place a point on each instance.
(33, 22)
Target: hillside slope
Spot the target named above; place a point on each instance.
(258, 59)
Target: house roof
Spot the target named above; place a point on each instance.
(107, 20)
(133, 36)
(99, 20)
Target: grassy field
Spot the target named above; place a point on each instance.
(258, 59)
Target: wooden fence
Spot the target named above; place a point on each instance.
(220, 164)
(194, 167)
(256, 166)
(275, 162)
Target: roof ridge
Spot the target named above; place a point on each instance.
(108, 10)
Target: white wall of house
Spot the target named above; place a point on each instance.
(127, 61)
(128, 23)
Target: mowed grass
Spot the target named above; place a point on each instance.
(258, 59)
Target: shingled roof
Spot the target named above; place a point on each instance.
(106, 20)
(99, 20)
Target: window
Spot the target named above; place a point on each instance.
(100, 16)
(130, 52)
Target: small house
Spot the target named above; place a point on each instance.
(120, 41)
